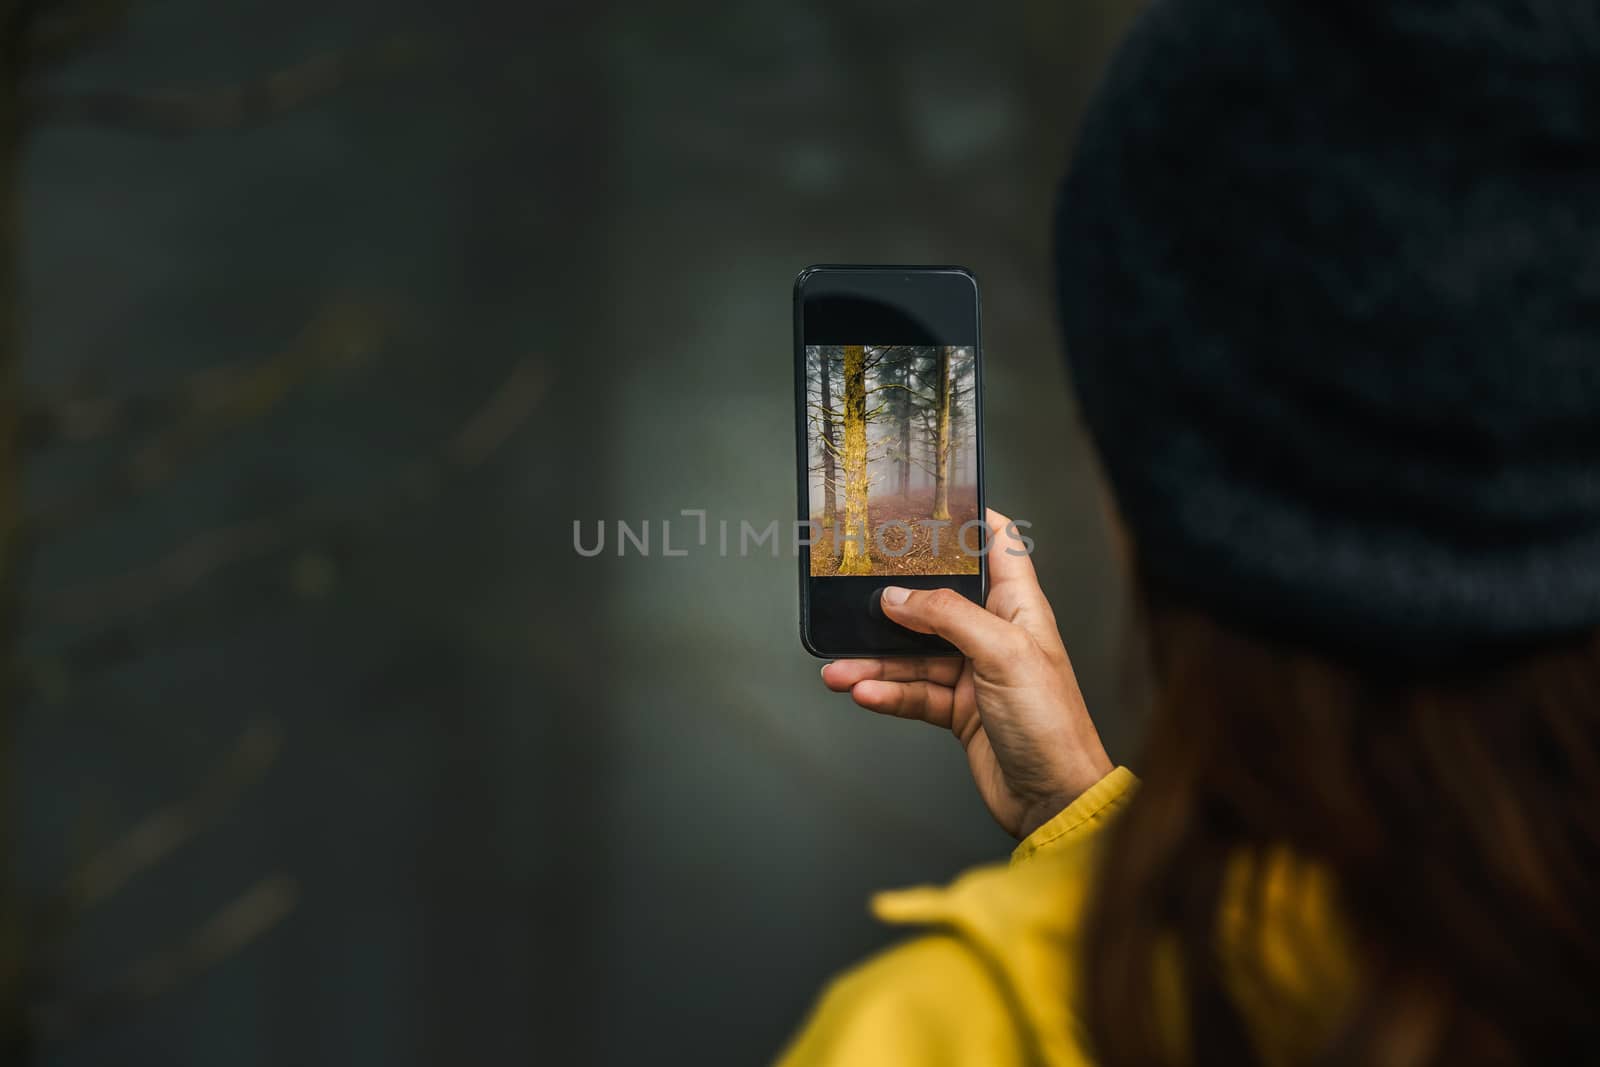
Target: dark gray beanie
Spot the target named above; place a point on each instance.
(1330, 279)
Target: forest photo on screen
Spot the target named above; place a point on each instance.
(893, 459)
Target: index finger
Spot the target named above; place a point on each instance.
(1014, 591)
(1010, 552)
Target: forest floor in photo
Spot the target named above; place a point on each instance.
(920, 558)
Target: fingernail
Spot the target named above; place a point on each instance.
(824, 670)
(893, 594)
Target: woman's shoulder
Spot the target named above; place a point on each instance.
(1004, 910)
(1020, 923)
(988, 978)
(929, 1001)
(991, 976)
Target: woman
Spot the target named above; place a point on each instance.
(1330, 274)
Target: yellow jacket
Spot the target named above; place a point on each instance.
(993, 978)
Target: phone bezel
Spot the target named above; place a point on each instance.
(899, 283)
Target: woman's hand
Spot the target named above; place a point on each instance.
(1012, 702)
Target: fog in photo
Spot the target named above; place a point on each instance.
(893, 451)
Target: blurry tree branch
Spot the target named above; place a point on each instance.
(124, 611)
(204, 408)
(246, 918)
(163, 832)
(506, 409)
(179, 112)
(342, 337)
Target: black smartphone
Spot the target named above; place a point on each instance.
(888, 384)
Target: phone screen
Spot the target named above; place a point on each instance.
(892, 442)
(889, 413)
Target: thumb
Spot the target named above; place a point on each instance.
(981, 637)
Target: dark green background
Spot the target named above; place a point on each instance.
(535, 808)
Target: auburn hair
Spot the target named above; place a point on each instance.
(1454, 809)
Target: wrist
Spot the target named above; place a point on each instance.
(1039, 813)
(1047, 806)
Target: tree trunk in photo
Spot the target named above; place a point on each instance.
(905, 426)
(958, 435)
(856, 559)
(941, 443)
(829, 438)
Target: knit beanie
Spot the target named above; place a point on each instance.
(1330, 282)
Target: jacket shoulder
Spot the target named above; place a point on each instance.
(992, 976)
(989, 980)
(1024, 923)
(929, 1002)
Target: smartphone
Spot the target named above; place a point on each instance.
(888, 383)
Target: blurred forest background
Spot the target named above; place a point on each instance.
(319, 326)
